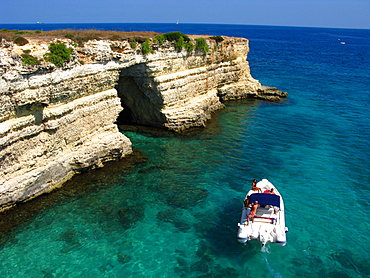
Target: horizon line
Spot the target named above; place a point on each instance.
(182, 23)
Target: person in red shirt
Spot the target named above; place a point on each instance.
(271, 191)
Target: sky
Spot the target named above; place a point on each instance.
(310, 13)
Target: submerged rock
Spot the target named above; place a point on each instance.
(123, 258)
(186, 197)
(71, 240)
(130, 215)
(176, 217)
(200, 266)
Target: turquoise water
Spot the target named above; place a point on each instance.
(176, 214)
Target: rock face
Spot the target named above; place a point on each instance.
(178, 90)
(55, 122)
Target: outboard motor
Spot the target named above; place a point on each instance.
(263, 237)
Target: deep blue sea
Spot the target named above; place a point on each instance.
(176, 213)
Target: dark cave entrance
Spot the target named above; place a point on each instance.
(140, 99)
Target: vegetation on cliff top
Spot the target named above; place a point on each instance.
(59, 54)
(217, 38)
(179, 39)
(202, 45)
(29, 59)
(146, 49)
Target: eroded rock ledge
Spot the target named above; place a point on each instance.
(55, 122)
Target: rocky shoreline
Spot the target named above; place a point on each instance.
(56, 121)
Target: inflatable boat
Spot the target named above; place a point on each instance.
(263, 215)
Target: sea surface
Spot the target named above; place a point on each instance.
(175, 213)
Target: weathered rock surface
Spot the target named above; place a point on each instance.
(178, 90)
(55, 122)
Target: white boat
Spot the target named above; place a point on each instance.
(268, 223)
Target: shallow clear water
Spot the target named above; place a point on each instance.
(176, 214)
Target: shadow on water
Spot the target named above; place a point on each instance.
(79, 186)
(218, 240)
(71, 240)
(175, 216)
(205, 264)
(348, 261)
(213, 128)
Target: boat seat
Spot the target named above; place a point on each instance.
(265, 212)
(263, 219)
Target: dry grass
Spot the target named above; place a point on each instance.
(46, 36)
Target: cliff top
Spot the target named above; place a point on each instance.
(33, 50)
(46, 36)
(84, 35)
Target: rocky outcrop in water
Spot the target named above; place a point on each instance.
(59, 121)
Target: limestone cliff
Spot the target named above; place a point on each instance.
(178, 90)
(55, 122)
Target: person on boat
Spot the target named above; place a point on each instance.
(271, 191)
(254, 186)
(252, 212)
(246, 202)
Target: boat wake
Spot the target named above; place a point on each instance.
(273, 272)
(265, 249)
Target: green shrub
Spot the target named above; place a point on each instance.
(58, 54)
(21, 32)
(20, 41)
(217, 38)
(160, 39)
(175, 36)
(146, 47)
(133, 44)
(172, 36)
(202, 45)
(189, 46)
(180, 44)
(37, 31)
(69, 36)
(186, 38)
(29, 60)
